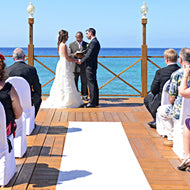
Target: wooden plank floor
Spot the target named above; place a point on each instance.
(39, 168)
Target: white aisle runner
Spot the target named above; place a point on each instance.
(98, 156)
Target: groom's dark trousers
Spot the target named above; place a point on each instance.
(91, 59)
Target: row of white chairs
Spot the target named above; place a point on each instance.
(178, 146)
(25, 126)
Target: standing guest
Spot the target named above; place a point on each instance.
(79, 70)
(153, 101)
(10, 100)
(91, 60)
(166, 113)
(185, 92)
(29, 73)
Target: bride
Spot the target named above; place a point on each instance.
(63, 93)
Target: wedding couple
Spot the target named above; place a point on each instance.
(63, 93)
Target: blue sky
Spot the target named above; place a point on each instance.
(118, 23)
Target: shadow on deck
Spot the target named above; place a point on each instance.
(39, 168)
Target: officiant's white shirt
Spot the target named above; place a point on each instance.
(80, 44)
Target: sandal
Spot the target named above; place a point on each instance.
(184, 164)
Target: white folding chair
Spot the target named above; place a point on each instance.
(164, 101)
(7, 160)
(23, 89)
(178, 146)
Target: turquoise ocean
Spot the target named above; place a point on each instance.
(116, 65)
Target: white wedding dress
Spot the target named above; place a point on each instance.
(63, 93)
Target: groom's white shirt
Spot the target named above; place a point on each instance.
(92, 38)
(89, 42)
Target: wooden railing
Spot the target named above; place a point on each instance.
(118, 75)
(138, 92)
(108, 69)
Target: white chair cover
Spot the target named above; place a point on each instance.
(164, 101)
(165, 95)
(7, 160)
(20, 142)
(178, 146)
(30, 117)
(23, 89)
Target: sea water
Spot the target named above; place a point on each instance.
(116, 65)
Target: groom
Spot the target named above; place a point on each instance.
(91, 60)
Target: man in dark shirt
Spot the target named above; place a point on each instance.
(29, 73)
(153, 101)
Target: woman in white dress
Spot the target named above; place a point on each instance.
(63, 93)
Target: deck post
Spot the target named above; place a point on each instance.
(31, 46)
(31, 10)
(144, 60)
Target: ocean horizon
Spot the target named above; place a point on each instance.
(104, 51)
(117, 65)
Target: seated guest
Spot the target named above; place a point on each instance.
(166, 113)
(10, 100)
(153, 101)
(185, 92)
(20, 68)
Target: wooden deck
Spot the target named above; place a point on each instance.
(39, 168)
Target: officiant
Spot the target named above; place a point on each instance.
(78, 48)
